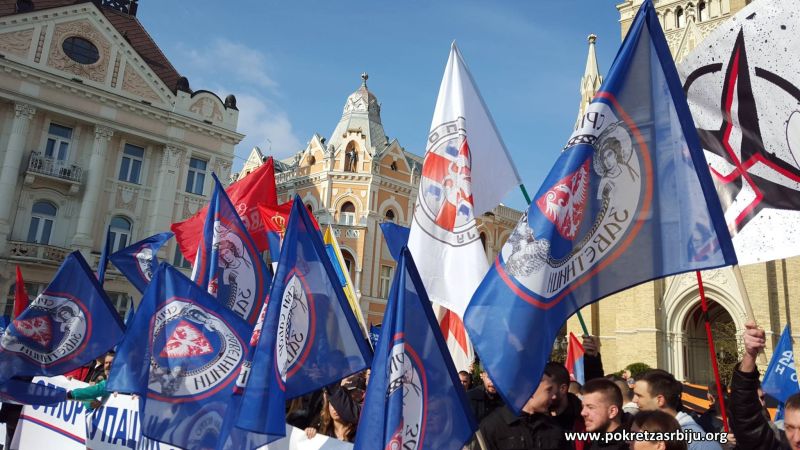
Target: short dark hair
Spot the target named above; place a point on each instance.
(793, 402)
(608, 388)
(558, 372)
(658, 421)
(661, 382)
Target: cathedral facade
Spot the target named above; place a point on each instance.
(661, 323)
(354, 180)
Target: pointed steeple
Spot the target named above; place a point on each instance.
(361, 113)
(591, 81)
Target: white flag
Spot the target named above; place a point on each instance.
(466, 172)
(743, 87)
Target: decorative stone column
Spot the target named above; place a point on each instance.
(88, 215)
(9, 173)
(161, 214)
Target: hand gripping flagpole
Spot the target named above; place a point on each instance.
(580, 316)
(713, 352)
(737, 273)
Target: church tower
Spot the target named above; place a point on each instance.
(591, 81)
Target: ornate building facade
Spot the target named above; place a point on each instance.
(354, 180)
(661, 323)
(97, 129)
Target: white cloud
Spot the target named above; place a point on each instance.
(228, 67)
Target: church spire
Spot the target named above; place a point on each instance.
(591, 81)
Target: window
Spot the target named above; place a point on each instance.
(131, 167)
(179, 260)
(121, 302)
(120, 233)
(32, 289)
(196, 177)
(680, 20)
(385, 281)
(80, 50)
(309, 209)
(58, 140)
(43, 214)
(393, 166)
(702, 14)
(483, 241)
(389, 215)
(347, 216)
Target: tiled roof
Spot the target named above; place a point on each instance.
(127, 25)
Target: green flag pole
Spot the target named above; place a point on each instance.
(528, 201)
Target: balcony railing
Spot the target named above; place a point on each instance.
(36, 251)
(41, 164)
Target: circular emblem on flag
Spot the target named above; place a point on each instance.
(583, 216)
(52, 330)
(444, 205)
(408, 380)
(296, 326)
(195, 352)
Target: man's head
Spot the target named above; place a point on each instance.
(560, 377)
(791, 420)
(107, 362)
(543, 397)
(466, 379)
(602, 405)
(487, 383)
(657, 389)
(627, 392)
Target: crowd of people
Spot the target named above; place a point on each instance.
(638, 413)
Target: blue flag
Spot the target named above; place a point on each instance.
(414, 398)
(374, 335)
(28, 393)
(780, 378)
(69, 324)
(396, 237)
(311, 328)
(138, 261)
(181, 354)
(228, 262)
(629, 200)
(103, 263)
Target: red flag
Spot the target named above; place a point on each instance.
(21, 298)
(257, 188)
(574, 360)
(276, 217)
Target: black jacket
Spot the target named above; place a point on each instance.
(482, 403)
(748, 422)
(502, 430)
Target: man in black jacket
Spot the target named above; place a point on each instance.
(534, 429)
(602, 413)
(484, 399)
(751, 428)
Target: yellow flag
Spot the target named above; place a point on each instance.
(330, 239)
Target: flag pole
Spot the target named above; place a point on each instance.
(580, 316)
(713, 352)
(737, 273)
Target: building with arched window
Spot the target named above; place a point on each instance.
(661, 323)
(97, 129)
(358, 179)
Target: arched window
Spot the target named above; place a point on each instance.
(120, 233)
(393, 166)
(349, 262)
(43, 214)
(483, 241)
(351, 158)
(669, 20)
(309, 209)
(680, 19)
(702, 14)
(347, 215)
(389, 215)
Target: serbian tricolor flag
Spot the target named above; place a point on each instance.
(257, 188)
(574, 360)
(275, 218)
